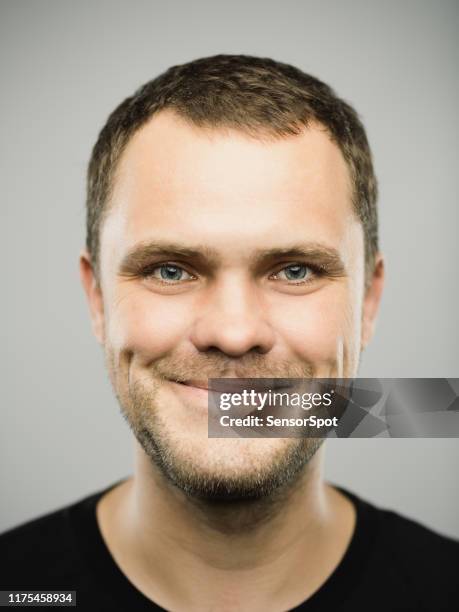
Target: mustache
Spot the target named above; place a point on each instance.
(181, 368)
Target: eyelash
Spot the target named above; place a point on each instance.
(315, 269)
(317, 272)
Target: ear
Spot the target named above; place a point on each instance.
(93, 295)
(371, 301)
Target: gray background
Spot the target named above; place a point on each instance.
(64, 67)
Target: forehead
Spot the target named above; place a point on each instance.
(225, 189)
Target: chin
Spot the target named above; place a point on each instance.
(228, 470)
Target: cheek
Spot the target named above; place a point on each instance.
(320, 326)
(146, 325)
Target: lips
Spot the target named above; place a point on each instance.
(200, 384)
(237, 385)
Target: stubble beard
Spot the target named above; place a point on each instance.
(256, 492)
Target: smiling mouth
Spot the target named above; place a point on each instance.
(235, 385)
(198, 384)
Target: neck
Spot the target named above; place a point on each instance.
(254, 529)
(282, 547)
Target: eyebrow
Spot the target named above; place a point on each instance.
(142, 254)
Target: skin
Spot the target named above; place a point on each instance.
(233, 312)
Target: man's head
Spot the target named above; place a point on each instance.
(232, 231)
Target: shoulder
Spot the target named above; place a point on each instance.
(44, 549)
(426, 561)
(411, 558)
(402, 533)
(40, 545)
(416, 545)
(412, 537)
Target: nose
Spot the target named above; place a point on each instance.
(233, 320)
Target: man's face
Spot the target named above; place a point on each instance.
(223, 256)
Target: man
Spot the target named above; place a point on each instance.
(231, 232)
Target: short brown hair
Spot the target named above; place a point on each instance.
(256, 95)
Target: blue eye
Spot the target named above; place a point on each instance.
(170, 273)
(295, 272)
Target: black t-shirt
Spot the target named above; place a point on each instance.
(392, 564)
